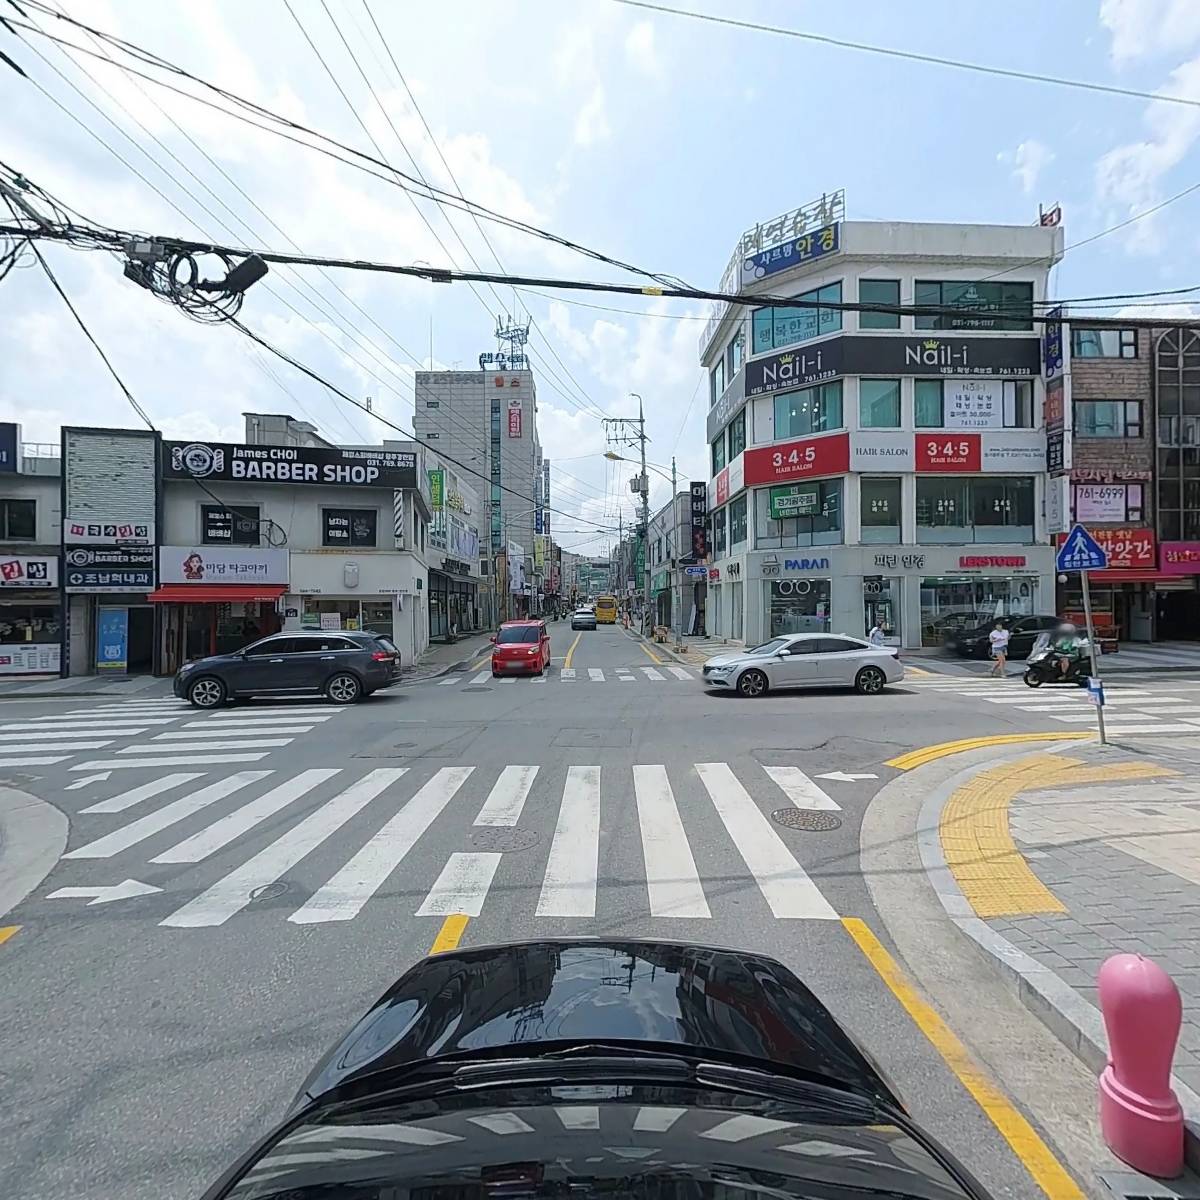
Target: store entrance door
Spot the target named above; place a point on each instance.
(1178, 616)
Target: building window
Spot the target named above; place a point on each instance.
(18, 520)
(720, 542)
(798, 514)
(1108, 419)
(799, 606)
(737, 353)
(811, 410)
(737, 435)
(879, 509)
(716, 381)
(229, 526)
(1104, 343)
(879, 403)
(433, 404)
(718, 452)
(991, 305)
(1015, 406)
(879, 291)
(352, 527)
(775, 328)
(986, 509)
(737, 521)
(1177, 373)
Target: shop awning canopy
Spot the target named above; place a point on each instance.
(1107, 578)
(217, 593)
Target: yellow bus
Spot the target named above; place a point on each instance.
(606, 610)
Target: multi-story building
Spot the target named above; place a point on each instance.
(1128, 469)
(670, 542)
(878, 465)
(486, 422)
(460, 599)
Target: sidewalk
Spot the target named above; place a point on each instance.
(1132, 656)
(84, 685)
(1052, 862)
(443, 657)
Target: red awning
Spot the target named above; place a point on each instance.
(1119, 576)
(217, 593)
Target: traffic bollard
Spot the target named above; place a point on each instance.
(1140, 1118)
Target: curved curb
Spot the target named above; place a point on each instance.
(1072, 1019)
(33, 835)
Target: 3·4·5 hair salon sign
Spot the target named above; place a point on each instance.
(330, 466)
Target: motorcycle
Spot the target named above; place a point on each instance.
(630, 1068)
(1042, 665)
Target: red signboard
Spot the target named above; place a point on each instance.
(798, 460)
(1127, 549)
(943, 452)
(1053, 407)
(991, 560)
(1179, 558)
(514, 422)
(722, 486)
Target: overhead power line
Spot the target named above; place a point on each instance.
(911, 55)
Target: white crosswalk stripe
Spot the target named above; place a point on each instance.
(200, 824)
(660, 674)
(596, 674)
(679, 673)
(183, 760)
(344, 895)
(652, 673)
(171, 747)
(33, 762)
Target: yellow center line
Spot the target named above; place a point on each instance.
(7, 931)
(571, 652)
(654, 657)
(1039, 1160)
(450, 934)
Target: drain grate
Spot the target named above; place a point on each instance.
(268, 892)
(1128, 1185)
(807, 819)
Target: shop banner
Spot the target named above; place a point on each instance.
(31, 658)
(1058, 508)
(722, 486)
(437, 488)
(1001, 357)
(793, 253)
(107, 533)
(112, 641)
(973, 404)
(794, 368)
(813, 457)
(329, 466)
(514, 417)
(1127, 549)
(221, 564)
(109, 569)
(1179, 558)
(944, 453)
(794, 501)
(880, 450)
(21, 571)
(1100, 502)
(1005, 453)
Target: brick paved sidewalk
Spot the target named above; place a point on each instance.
(1124, 860)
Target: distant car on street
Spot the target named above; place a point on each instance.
(521, 647)
(342, 666)
(801, 660)
(583, 618)
(1023, 632)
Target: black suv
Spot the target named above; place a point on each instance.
(342, 666)
(1023, 632)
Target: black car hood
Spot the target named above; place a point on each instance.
(561, 992)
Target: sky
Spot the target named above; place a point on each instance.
(650, 137)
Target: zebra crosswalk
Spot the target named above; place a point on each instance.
(156, 732)
(660, 674)
(1170, 710)
(341, 836)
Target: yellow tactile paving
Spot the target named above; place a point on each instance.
(976, 842)
(926, 754)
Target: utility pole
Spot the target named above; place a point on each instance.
(678, 570)
(628, 431)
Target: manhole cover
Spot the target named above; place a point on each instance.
(504, 840)
(475, 689)
(807, 819)
(268, 892)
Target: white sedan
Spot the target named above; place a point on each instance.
(799, 660)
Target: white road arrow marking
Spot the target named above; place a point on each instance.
(86, 780)
(847, 776)
(104, 895)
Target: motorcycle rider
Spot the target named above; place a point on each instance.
(1067, 647)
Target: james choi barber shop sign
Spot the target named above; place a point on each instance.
(329, 466)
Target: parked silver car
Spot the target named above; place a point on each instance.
(799, 660)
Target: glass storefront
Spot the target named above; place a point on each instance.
(882, 605)
(951, 603)
(30, 634)
(453, 605)
(372, 616)
(799, 606)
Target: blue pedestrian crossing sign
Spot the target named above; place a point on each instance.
(1081, 552)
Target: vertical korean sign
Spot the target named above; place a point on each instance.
(699, 515)
(514, 417)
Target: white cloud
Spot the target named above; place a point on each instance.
(1028, 161)
(641, 52)
(1142, 28)
(1129, 178)
(591, 125)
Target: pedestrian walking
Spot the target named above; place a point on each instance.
(998, 640)
(876, 635)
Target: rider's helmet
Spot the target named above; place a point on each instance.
(1066, 629)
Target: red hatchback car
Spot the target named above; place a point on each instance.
(521, 647)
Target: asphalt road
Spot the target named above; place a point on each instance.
(148, 1039)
